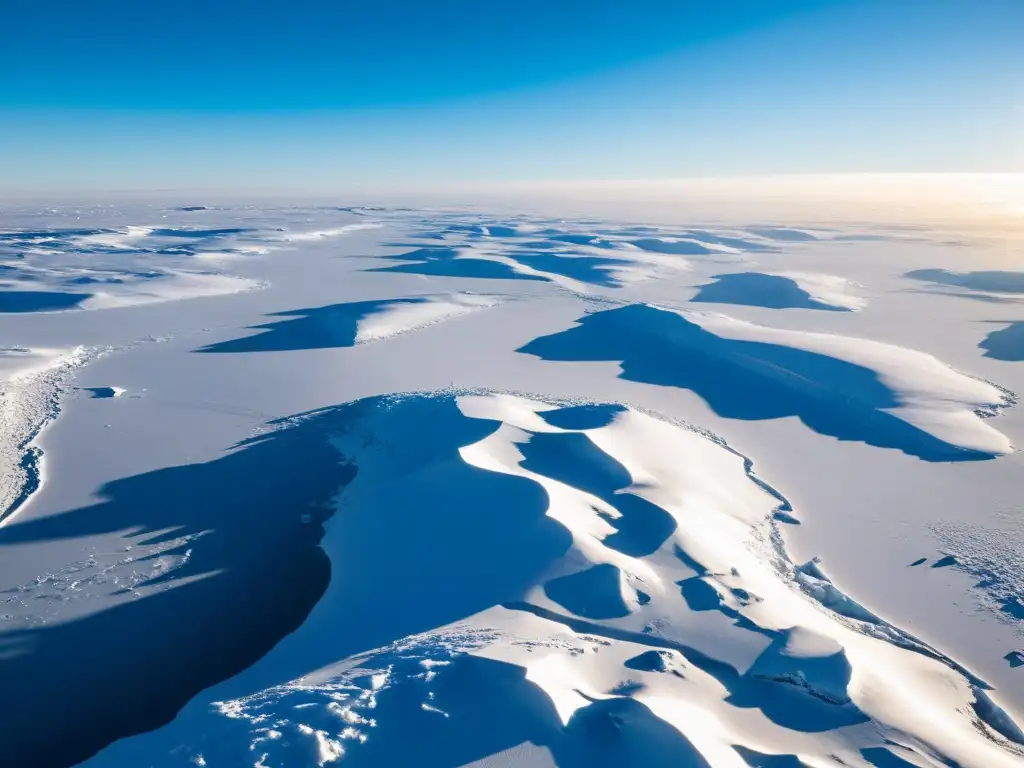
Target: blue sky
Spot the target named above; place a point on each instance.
(261, 94)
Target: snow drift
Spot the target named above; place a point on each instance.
(573, 584)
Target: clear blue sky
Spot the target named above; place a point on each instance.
(224, 93)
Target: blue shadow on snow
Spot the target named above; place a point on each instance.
(327, 327)
(18, 302)
(1006, 343)
(443, 262)
(747, 379)
(754, 289)
(990, 281)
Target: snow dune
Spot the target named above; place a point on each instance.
(849, 388)
(169, 286)
(318, 234)
(353, 323)
(573, 585)
(576, 255)
(57, 288)
(785, 234)
(781, 290)
(466, 578)
(167, 240)
(44, 271)
(576, 269)
(676, 246)
(399, 317)
(30, 383)
(986, 282)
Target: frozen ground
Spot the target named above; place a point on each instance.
(295, 485)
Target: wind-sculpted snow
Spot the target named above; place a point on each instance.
(553, 584)
(574, 255)
(781, 290)
(56, 270)
(360, 322)
(30, 387)
(464, 578)
(991, 556)
(27, 288)
(531, 232)
(785, 234)
(447, 262)
(586, 253)
(569, 268)
(848, 388)
(984, 282)
(185, 239)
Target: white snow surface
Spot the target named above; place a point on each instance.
(930, 395)
(710, 628)
(488, 489)
(402, 317)
(833, 290)
(30, 385)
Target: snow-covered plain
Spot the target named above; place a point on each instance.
(305, 485)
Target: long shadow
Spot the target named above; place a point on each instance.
(681, 248)
(1006, 343)
(782, 234)
(739, 243)
(758, 760)
(500, 230)
(256, 516)
(593, 593)
(17, 302)
(595, 241)
(572, 458)
(746, 379)
(423, 540)
(820, 704)
(408, 553)
(596, 270)
(784, 702)
(442, 262)
(991, 281)
(483, 229)
(490, 707)
(754, 289)
(587, 269)
(880, 757)
(50, 235)
(199, 233)
(327, 327)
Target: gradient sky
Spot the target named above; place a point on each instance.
(117, 94)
